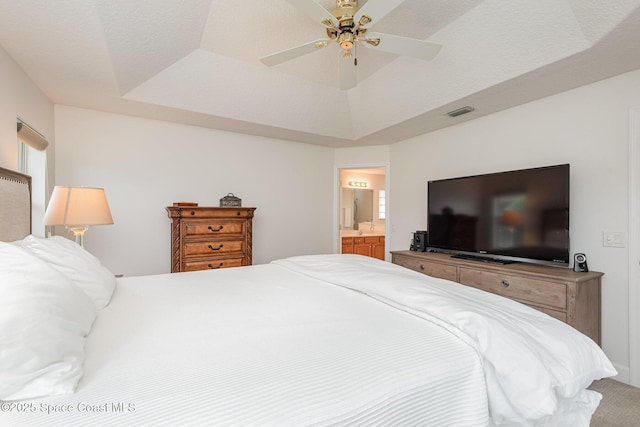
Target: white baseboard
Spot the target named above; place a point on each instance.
(623, 374)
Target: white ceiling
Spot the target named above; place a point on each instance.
(196, 61)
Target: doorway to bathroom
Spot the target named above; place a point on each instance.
(362, 210)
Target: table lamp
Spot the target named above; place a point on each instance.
(78, 208)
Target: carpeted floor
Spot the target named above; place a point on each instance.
(620, 405)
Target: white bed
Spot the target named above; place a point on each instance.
(315, 340)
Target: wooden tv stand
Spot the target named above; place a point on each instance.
(560, 292)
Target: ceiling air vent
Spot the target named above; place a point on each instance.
(461, 111)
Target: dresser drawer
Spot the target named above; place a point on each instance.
(533, 291)
(212, 264)
(434, 269)
(560, 315)
(213, 228)
(569, 296)
(213, 247)
(208, 237)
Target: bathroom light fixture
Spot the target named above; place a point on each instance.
(359, 184)
(78, 208)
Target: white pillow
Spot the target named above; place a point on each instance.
(70, 259)
(44, 319)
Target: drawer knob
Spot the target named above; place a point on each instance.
(421, 266)
(505, 283)
(215, 230)
(216, 249)
(214, 267)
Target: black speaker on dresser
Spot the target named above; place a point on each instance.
(419, 242)
(580, 263)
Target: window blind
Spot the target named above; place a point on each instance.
(31, 137)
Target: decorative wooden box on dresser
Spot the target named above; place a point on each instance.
(562, 293)
(210, 237)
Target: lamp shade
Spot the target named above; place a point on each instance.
(78, 207)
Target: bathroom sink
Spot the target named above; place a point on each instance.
(364, 233)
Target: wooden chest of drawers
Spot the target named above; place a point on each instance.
(571, 297)
(210, 237)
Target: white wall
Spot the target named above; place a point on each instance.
(145, 165)
(587, 127)
(20, 97)
(361, 157)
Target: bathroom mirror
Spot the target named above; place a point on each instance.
(356, 207)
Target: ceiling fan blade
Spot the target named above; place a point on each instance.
(294, 52)
(313, 10)
(405, 46)
(377, 9)
(348, 75)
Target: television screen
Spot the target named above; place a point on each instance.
(518, 215)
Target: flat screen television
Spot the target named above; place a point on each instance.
(520, 215)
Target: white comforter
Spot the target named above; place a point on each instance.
(262, 346)
(292, 344)
(535, 366)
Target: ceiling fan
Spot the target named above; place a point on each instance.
(345, 25)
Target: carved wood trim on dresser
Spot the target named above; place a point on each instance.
(210, 237)
(571, 297)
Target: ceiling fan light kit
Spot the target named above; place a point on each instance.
(346, 26)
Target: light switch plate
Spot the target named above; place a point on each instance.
(614, 239)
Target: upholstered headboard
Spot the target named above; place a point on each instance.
(15, 205)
